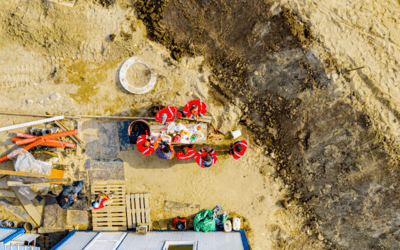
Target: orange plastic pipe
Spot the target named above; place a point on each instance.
(47, 137)
(50, 143)
(23, 135)
(58, 144)
(19, 151)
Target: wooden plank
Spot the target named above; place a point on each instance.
(111, 219)
(133, 211)
(128, 211)
(109, 215)
(14, 209)
(206, 119)
(110, 209)
(147, 207)
(79, 130)
(20, 184)
(6, 193)
(29, 207)
(27, 124)
(204, 131)
(142, 208)
(10, 172)
(137, 210)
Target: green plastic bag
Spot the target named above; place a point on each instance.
(204, 221)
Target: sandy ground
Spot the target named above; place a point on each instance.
(323, 141)
(360, 34)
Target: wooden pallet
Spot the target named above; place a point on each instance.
(113, 216)
(137, 210)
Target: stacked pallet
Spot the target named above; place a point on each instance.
(113, 216)
(137, 210)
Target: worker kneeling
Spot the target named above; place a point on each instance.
(238, 149)
(164, 150)
(195, 109)
(205, 158)
(186, 153)
(144, 145)
(167, 115)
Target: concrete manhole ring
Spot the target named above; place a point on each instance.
(130, 87)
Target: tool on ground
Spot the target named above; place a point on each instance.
(217, 135)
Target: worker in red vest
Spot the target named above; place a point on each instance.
(206, 159)
(238, 149)
(102, 200)
(195, 109)
(186, 153)
(144, 145)
(168, 114)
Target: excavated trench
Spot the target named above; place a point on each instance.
(334, 161)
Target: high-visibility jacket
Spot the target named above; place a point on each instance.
(101, 203)
(199, 158)
(190, 154)
(142, 149)
(202, 107)
(171, 112)
(237, 155)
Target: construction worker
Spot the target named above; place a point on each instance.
(165, 150)
(144, 145)
(238, 149)
(103, 199)
(186, 153)
(206, 158)
(70, 194)
(168, 114)
(195, 109)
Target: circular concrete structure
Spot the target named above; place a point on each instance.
(130, 86)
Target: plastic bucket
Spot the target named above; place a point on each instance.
(28, 226)
(136, 128)
(227, 226)
(236, 133)
(236, 224)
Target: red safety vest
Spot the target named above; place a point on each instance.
(139, 144)
(190, 154)
(172, 114)
(202, 107)
(199, 158)
(101, 203)
(237, 155)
